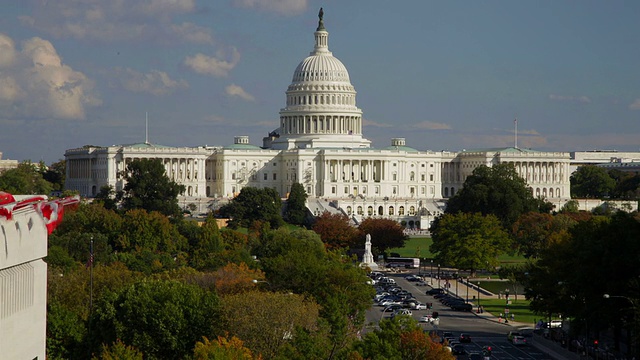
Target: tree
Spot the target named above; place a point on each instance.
(591, 181)
(163, 319)
(497, 190)
(56, 174)
(119, 351)
(149, 231)
(266, 320)
(385, 234)
(335, 230)
(469, 241)
(148, 187)
(223, 349)
(296, 212)
(26, 179)
(206, 252)
(253, 204)
(534, 231)
(107, 197)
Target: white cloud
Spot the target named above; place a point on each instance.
(580, 99)
(236, 90)
(150, 20)
(282, 7)
(154, 82)
(208, 65)
(7, 51)
(36, 83)
(430, 125)
(635, 105)
(367, 122)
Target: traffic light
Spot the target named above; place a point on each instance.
(486, 351)
(595, 343)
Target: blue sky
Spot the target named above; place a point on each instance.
(446, 75)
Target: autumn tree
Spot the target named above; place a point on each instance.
(148, 187)
(497, 190)
(385, 234)
(296, 210)
(591, 181)
(223, 348)
(335, 230)
(469, 241)
(266, 320)
(235, 278)
(533, 232)
(253, 204)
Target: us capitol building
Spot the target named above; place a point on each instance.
(320, 144)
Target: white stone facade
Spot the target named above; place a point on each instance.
(319, 143)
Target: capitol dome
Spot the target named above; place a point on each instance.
(321, 106)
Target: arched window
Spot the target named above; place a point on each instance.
(412, 210)
(401, 210)
(360, 210)
(349, 210)
(380, 210)
(370, 210)
(391, 210)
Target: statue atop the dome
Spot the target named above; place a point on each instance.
(321, 21)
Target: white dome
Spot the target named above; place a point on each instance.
(323, 68)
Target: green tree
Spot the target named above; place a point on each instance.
(253, 204)
(206, 252)
(223, 349)
(385, 234)
(591, 181)
(469, 241)
(119, 351)
(335, 230)
(497, 190)
(163, 319)
(26, 179)
(107, 197)
(296, 212)
(148, 187)
(149, 231)
(56, 174)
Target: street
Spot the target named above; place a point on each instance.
(483, 332)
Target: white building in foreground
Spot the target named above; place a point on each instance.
(320, 144)
(24, 229)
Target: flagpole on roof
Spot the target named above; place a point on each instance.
(515, 124)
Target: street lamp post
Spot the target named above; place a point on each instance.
(478, 296)
(431, 273)
(467, 289)
(634, 322)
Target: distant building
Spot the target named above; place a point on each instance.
(7, 164)
(320, 144)
(606, 158)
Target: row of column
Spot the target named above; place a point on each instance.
(299, 125)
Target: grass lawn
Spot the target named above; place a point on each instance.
(519, 308)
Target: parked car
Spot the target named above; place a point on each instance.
(461, 307)
(402, 312)
(464, 338)
(426, 318)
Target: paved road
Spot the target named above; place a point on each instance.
(483, 331)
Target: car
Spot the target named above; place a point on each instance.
(461, 307)
(392, 308)
(512, 334)
(402, 312)
(475, 356)
(435, 291)
(519, 340)
(464, 338)
(426, 318)
(554, 324)
(419, 306)
(458, 350)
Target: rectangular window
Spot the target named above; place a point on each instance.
(333, 189)
(265, 176)
(346, 189)
(431, 177)
(274, 176)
